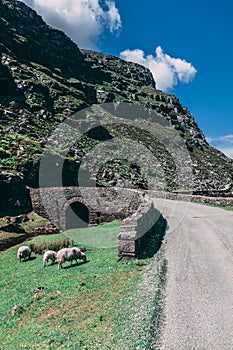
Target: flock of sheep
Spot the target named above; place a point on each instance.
(64, 254)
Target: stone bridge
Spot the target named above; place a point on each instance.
(72, 207)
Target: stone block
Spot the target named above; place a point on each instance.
(127, 236)
(128, 228)
(126, 247)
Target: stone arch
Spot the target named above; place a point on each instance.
(76, 214)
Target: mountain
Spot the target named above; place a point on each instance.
(45, 78)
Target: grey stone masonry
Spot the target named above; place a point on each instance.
(103, 204)
(137, 228)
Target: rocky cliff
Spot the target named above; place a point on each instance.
(45, 78)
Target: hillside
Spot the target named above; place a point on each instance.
(45, 78)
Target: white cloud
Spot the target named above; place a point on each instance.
(223, 143)
(227, 151)
(228, 138)
(167, 71)
(82, 20)
(114, 16)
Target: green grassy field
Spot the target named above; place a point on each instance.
(102, 236)
(93, 305)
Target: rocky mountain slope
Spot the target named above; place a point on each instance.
(45, 78)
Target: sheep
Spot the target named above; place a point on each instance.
(69, 254)
(49, 255)
(23, 253)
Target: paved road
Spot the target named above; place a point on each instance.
(199, 291)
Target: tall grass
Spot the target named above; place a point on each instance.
(53, 242)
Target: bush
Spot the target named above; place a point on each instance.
(41, 246)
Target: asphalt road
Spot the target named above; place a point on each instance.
(198, 302)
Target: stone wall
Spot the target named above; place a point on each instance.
(103, 204)
(141, 233)
(220, 201)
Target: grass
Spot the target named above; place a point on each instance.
(36, 220)
(87, 306)
(228, 208)
(102, 236)
(7, 235)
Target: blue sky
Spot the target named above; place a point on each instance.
(193, 44)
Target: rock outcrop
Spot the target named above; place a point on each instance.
(15, 196)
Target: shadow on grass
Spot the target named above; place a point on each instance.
(76, 264)
(31, 258)
(50, 264)
(28, 259)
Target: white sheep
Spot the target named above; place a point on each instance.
(23, 253)
(49, 255)
(69, 254)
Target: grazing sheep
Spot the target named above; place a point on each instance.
(69, 254)
(23, 253)
(49, 255)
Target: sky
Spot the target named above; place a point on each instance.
(187, 45)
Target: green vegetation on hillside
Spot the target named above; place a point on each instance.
(45, 79)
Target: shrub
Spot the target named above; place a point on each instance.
(41, 246)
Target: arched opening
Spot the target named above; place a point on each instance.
(77, 216)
